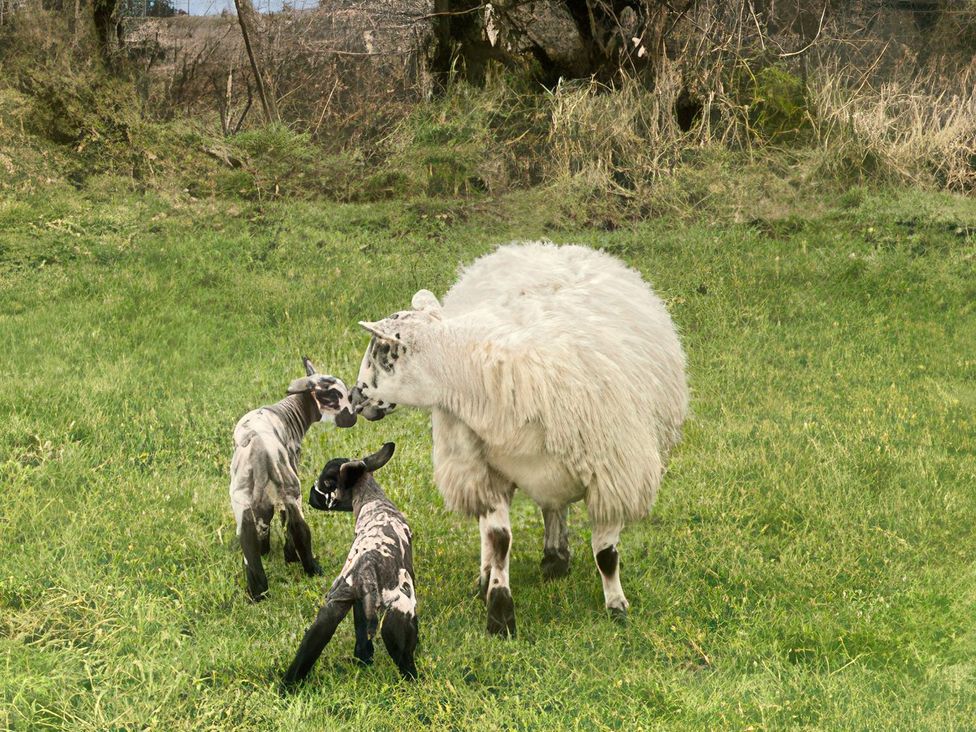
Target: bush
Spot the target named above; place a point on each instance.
(777, 104)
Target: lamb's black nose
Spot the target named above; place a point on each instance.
(345, 418)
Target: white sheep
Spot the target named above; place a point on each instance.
(552, 368)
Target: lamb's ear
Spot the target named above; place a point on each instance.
(379, 458)
(377, 330)
(309, 366)
(350, 473)
(426, 301)
(299, 386)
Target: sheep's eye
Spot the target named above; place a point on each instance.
(384, 356)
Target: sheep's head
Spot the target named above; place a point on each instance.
(330, 394)
(390, 372)
(336, 486)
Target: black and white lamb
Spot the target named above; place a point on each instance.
(264, 471)
(377, 580)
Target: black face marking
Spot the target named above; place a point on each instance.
(607, 560)
(385, 355)
(328, 399)
(324, 494)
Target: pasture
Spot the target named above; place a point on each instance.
(810, 564)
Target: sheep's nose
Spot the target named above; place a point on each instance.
(356, 397)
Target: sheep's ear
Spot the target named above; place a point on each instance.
(379, 458)
(350, 473)
(299, 386)
(426, 301)
(377, 330)
(309, 366)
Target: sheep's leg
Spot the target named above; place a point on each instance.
(400, 638)
(301, 538)
(254, 527)
(496, 544)
(605, 539)
(317, 636)
(555, 545)
(364, 641)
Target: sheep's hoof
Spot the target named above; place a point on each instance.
(618, 615)
(554, 565)
(501, 612)
(315, 570)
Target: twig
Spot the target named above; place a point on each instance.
(807, 47)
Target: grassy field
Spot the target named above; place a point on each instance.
(811, 562)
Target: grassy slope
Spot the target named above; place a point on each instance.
(809, 563)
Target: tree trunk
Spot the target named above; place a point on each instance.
(251, 30)
(569, 39)
(103, 14)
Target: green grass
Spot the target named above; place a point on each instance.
(809, 565)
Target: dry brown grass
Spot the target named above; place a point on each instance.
(920, 131)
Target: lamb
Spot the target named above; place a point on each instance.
(377, 578)
(552, 368)
(264, 471)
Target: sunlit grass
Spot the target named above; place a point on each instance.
(810, 562)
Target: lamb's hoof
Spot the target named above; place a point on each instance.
(618, 615)
(364, 653)
(257, 596)
(287, 688)
(501, 613)
(315, 570)
(554, 565)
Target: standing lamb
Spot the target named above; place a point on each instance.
(377, 578)
(552, 368)
(264, 471)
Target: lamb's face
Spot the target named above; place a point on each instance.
(330, 394)
(326, 494)
(391, 372)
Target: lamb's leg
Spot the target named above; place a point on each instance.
(301, 538)
(364, 642)
(251, 535)
(605, 539)
(496, 544)
(291, 554)
(555, 545)
(317, 636)
(400, 638)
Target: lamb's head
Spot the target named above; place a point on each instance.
(330, 394)
(395, 367)
(341, 479)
